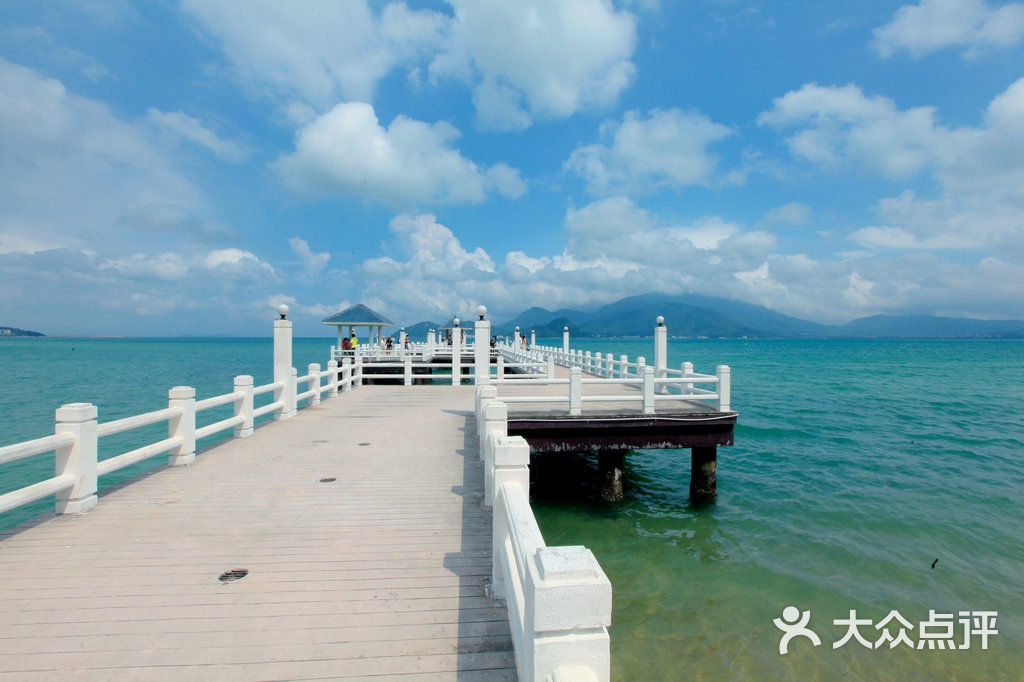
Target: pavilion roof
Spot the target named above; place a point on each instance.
(358, 316)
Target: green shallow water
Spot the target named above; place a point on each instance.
(856, 465)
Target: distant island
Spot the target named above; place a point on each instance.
(14, 331)
(695, 316)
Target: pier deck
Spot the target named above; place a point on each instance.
(381, 572)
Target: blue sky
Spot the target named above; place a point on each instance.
(183, 167)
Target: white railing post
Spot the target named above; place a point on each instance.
(572, 609)
(495, 427)
(357, 371)
(641, 362)
(623, 366)
(346, 375)
(551, 367)
(77, 459)
(724, 390)
(587, 362)
(314, 382)
(533, 338)
(687, 373)
(609, 365)
(501, 368)
(648, 390)
(511, 457)
(283, 368)
(661, 352)
(244, 405)
(182, 426)
(482, 348)
(407, 371)
(332, 378)
(484, 394)
(565, 340)
(456, 355)
(575, 390)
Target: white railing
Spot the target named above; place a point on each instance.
(77, 433)
(559, 600)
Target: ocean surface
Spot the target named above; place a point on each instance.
(867, 476)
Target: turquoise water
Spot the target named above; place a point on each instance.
(856, 465)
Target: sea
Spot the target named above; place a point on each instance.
(875, 490)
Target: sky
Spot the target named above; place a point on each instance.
(183, 167)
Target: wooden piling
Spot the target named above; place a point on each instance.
(703, 474)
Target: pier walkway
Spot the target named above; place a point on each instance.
(381, 571)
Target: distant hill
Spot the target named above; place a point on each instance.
(14, 331)
(931, 327)
(708, 316)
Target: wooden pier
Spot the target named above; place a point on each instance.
(382, 531)
(381, 571)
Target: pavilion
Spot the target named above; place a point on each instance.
(359, 316)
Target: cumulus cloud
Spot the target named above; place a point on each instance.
(347, 151)
(537, 59)
(930, 25)
(979, 170)
(837, 125)
(312, 263)
(76, 175)
(667, 148)
(314, 51)
(187, 128)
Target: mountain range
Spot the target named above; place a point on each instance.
(692, 315)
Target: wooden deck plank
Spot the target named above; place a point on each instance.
(382, 572)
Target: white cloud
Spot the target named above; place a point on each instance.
(793, 213)
(668, 148)
(979, 170)
(76, 175)
(931, 25)
(347, 151)
(315, 51)
(836, 125)
(535, 59)
(312, 263)
(188, 128)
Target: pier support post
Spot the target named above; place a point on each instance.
(183, 426)
(565, 340)
(609, 466)
(703, 474)
(283, 367)
(482, 348)
(77, 459)
(244, 405)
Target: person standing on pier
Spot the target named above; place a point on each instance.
(354, 342)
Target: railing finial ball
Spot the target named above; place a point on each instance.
(282, 310)
(661, 320)
(481, 310)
